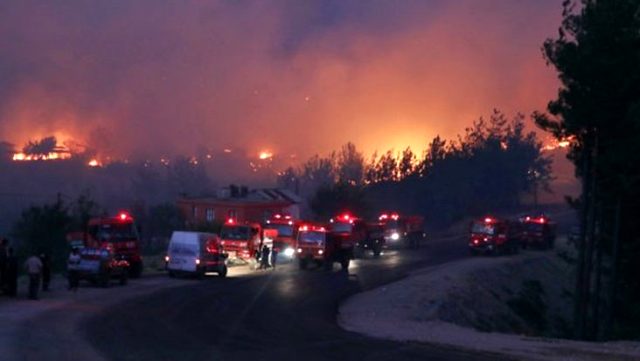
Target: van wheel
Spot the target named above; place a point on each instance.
(104, 281)
(172, 274)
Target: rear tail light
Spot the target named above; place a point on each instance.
(197, 260)
(166, 259)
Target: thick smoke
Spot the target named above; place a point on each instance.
(151, 78)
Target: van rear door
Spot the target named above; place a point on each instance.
(183, 252)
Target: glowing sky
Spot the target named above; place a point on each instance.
(152, 77)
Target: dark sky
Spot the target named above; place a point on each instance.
(155, 77)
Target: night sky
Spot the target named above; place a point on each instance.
(153, 77)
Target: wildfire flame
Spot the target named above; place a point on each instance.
(22, 157)
(265, 154)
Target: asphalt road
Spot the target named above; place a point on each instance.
(283, 315)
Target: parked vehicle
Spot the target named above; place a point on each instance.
(494, 236)
(118, 233)
(195, 253)
(313, 246)
(241, 240)
(538, 231)
(101, 266)
(284, 240)
(402, 231)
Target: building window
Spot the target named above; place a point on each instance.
(194, 212)
(210, 214)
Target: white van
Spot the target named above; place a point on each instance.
(195, 253)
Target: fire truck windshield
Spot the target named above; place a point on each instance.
(341, 227)
(391, 224)
(534, 227)
(482, 228)
(235, 232)
(113, 232)
(284, 230)
(311, 237)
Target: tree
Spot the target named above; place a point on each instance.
(597, 58)
(43, 229)
(350, 165)
(331, 200)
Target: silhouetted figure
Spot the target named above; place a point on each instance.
(274, 257)
(264, 259)
(4, 245)
(33, 266)
(12, 274)
(46, 271)
(73, 263)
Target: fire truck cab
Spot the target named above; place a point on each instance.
(538, 231)
(494, 236)
(285, 231)
(241, 240)
(120, 235)
(402, 231)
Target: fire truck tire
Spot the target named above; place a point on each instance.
(344, 263)
(104, 280)
(136, 269)
(124, 279)
(302, 264)
(223, 272)
(377, 251)
(473, 252)
(327, 265)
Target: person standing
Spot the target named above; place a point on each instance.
(33, 266)
(46, 271)
(264, 260)
(12, 274)
(4, 244)
(274, 257)
(72, 269)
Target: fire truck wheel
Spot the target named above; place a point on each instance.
(328, 265)
(302, 264)
(515, 248)
(376, 252)
(124, 279)
(345, 263)
(136, 269)
(104, 280)
(223, 272)
(473, 252)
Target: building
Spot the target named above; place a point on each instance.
(239, 204)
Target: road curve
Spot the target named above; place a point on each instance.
(283, 315)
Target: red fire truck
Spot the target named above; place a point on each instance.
(538, 231)
(313, 246)
(241, 240)
(494, 235)
(119, 234)
(285, 238)
(400, 231)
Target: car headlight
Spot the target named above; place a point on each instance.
(289, 252)
(395, 236)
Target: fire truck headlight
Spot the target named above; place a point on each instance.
(320, 251)
(289, 252)
(299, 250)
(166, 259)
(395, 236)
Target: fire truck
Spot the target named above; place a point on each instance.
(313, 246)
(407, 231)
(285, 229)
(493, 235)
(538, 231)
(241, 241)
(119, 234)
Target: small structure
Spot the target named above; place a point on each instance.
(239, 204)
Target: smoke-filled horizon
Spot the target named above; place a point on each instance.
(152, 77)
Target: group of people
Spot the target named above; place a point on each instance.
(38, 268)
(265, 255)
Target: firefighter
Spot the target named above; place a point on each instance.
(33, 266)
(274, 257)
(12, 274)
(4, 244)
(46, 271)
(264, 260)
(72, 268)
